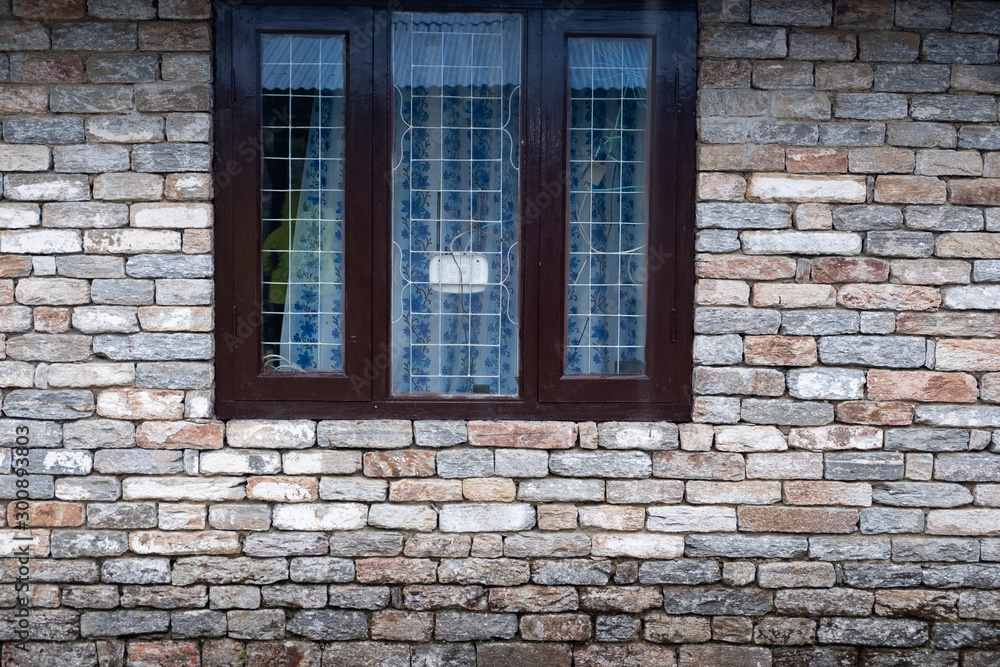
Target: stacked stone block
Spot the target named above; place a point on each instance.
(835, 500)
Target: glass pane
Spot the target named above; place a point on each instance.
(455, 203)
(303, 105)
(608, 213)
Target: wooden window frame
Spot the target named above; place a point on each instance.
(362, 390)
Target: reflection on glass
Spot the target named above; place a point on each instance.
(455, 203)
(303, 105)
(608, 213)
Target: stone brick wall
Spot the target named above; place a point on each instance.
(835, 500)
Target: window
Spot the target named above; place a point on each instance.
(445, 212)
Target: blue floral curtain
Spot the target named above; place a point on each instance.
(608, 214)
(455, 203)
(303, 92)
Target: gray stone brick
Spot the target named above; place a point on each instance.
(23, 36)
(154, 347)
(522, 463)
(721, 41)
(974, 108)
(818, 322)
(138, 461)
(358, 597)
(686, 571)
(458, 463)
(786, 412)
(329, 625)
(99, 433)
(849, 548)
(40, 434)
(866, 218)
(104, 98)
(886, 351)
(88, 544)
(791, 133)
(40, 487)
(437, 433)
(927, 440)
(718, 350)
(968, 467)
(186, 67)
(570, 572)
(457, 626)
(973, 136)
(46, 186)
(91, 487)
(546, 545)
(944, 549)
(922, 14)
(122, 292)
(366, 544)
(125, 516)
(123, 623)
(888, 520)
(900, 244)
(826, 383)
(958, 415)
(912, 78)
(86, 215)
(171, 266)
(717, 240)
(171, 157)
(870, 106)
(944, 47)
(944, 218)
(736, 320)
(986, 270)
(733, 102)
(745, 546)
(853, 466)
(864, 575)
(921, 494)
(962, 576)
(163, 96)
(124, 129)
(48, 404)
(198, 623)
(94, 36)
(722, 601)
(610, 464)
(370, 490)
(800, 243)
(121, 68)
(174, 375)
(743, 216)
(561, 490)
(922, 135)
(59, 462)
(851, 134)
(90, 159)
(775, 12)
(872, 632)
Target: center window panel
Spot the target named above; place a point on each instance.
(455, 203)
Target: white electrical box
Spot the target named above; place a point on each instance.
(459, 272)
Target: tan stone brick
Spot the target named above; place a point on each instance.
(16, 99)
(51, 320)
(172, 542)
(556, 627)
(888, 297)
(733, 493)
(929, 605)
(835, 438)
(815, 160)
(849, 270)
(743, 267)
(396, 571)
(283, 489)
(534, 599)
(529, 435)
(612, 517)
(813, 216)
(698, 465)
(156, 654)
(14, 266)
(724, 74)
(557, 517)
(197, 241)
(665, 629)
(828, 493)
(799, 188)
(741, 157)
(798, 519)
(963, 522)
(400, 463)
(180, 435)
(968, 354)
(875, 412)
(41, 513)
(844, 76)
(711, 292)
(930, 271)
(968, 244)
(733, 629)
(406, 626)
(881, 160)
(926, 386)
(948, 323)
(975, 191)
(910, 190)
(949, 163)
(793, 295)
(489, 489)
(140, 404)
(796, 575)
(425, 490)
(715, 186)
(779, 350)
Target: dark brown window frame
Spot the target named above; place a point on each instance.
(244, 389)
